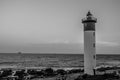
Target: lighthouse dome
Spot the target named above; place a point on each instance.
(89, 18)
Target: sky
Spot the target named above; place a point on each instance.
(54, 26)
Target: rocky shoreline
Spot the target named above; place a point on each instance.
(102, 73)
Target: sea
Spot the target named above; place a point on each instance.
(66, 61)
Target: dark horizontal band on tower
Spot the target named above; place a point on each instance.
(89, 28)
(84, 21)
(89, 19)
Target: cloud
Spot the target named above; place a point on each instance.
(111, 44)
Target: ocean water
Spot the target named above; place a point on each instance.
(9, 60)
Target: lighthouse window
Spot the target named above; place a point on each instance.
(93, 44)
(94, 56)
(93, 33)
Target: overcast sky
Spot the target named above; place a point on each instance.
(38, 26)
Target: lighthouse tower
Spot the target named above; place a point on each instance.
(89, 44)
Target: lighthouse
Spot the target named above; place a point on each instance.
(89, 44)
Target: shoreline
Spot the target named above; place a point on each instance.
(55, 68)
(52, 73)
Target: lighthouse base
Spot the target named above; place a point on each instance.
(89, 71)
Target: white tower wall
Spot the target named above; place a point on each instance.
(89, 52)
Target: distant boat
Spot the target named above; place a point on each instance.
(19, 52)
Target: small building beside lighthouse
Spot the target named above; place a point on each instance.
(89, 44)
